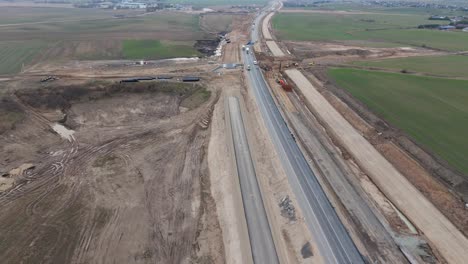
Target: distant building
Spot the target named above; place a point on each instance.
(106, 5)
(439, 18)
(446, 27)
(461, 26)
(132, 5)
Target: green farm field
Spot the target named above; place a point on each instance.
(93, 36)
(432, 111)
(14, 54)
(155, 49)
(447, 66)
(22, 15)
(390, 29)
(349, 6)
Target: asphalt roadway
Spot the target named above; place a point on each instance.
(333, 241)
(261, 240)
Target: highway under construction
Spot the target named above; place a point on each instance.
(241, 157)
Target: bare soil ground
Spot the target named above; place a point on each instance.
(336, 53)
(238, 36)
(131, 185)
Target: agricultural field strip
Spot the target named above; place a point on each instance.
(449, 65)
(87, 40)
(54, 22)
(390, 28)
(432, 111)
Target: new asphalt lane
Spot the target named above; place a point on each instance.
(261, 240)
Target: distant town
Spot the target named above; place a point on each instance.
(128, 4)
(151, 5)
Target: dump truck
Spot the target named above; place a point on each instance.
(284, 84)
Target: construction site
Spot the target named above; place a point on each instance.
(247, 153)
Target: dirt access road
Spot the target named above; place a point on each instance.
(129, 184)
(436, 227)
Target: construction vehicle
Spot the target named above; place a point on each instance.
(284, 84)
(49, 79)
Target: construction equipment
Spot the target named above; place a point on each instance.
(49, 79)
(284, 84)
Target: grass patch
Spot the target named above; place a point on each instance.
(155, 49)
(433, 111)
(449, 66)
(392, 29)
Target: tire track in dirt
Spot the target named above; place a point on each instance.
(67, 216)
